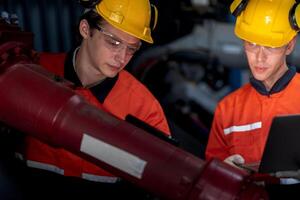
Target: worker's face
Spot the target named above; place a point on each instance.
(268, 64)
(110, 49)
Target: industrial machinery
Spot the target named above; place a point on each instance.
(69, 122)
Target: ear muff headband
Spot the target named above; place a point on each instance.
(293, 17)
(239, 8)
(89, 3)
(154, 16)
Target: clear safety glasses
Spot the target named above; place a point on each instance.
(115, 44)
(254, 48)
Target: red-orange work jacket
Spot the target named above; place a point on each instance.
(120, 96)
(243, 118)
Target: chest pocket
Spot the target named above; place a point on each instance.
(243, 136)
(246, 138)
(249, 144)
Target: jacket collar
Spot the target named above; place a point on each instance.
(100, 91)
(279, 85)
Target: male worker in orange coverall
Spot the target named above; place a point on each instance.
(111, 32)
(243, 118)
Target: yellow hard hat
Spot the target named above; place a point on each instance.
(271, 23)
(130, 16)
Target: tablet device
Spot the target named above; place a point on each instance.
(282, 149)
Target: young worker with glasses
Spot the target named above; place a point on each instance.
(242, 119)
(111, 32)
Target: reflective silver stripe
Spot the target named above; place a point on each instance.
(247, 127)
(289, 181)
(55, 169)
(113, 156)
(97, 178)
(44, 166)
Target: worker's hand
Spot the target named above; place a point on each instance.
(235, 160)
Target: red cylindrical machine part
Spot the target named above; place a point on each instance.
(49, 111)
(220, 181)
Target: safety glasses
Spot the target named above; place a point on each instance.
(116, 45)
(254, 48)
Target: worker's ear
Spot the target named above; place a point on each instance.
(291, 46)
(84, 28)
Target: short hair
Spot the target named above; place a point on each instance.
(93, 19)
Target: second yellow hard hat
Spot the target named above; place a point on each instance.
(270, 23)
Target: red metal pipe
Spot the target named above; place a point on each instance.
(39, 106)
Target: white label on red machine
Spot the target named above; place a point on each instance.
(113, 156)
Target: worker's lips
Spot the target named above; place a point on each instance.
(115, 67)
(260, 69)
